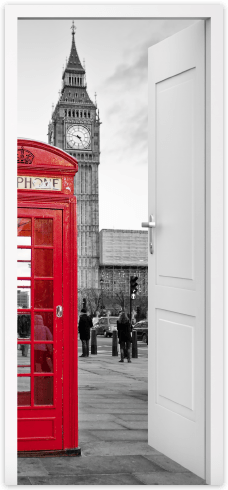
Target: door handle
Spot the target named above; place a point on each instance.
(150, 225)
(59, 311)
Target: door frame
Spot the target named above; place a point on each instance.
(69, 303)
(214, 265)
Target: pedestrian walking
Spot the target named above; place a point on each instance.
(124, 335)
(95, 319)
(84, 326)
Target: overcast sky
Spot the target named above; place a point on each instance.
(115, 53)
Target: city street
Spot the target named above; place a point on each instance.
(104, 347)
(113, 430)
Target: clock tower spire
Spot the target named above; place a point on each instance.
(75, 128)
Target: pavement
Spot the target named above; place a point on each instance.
(112, 434)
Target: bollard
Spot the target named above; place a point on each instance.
(114, 343)
(134, 345)
(93, 342)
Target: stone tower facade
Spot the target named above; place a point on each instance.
(75, 128)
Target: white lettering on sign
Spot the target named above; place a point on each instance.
(39, 183)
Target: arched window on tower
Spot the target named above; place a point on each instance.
(78, 80)
(80, 113)
(88, 113)
(75, 80)
(73, 113)
(70, 80)
(66, 100)
(84, 113)
(69, 113)
(77, 114)
(76, 94)
(65, 113)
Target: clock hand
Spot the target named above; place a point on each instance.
(79, 137)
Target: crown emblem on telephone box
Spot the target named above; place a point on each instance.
(24, 156)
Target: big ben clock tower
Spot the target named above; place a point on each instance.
(75, 128)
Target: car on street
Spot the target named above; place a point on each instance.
(106, 325)
(142, 330)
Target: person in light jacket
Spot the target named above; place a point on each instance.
(84, 326)
(124, 335)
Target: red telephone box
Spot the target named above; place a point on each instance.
(46, 300)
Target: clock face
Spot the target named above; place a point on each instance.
(78, 137)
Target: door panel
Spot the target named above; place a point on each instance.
(177, 267)
(39, 330)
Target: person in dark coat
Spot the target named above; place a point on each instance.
(124, 335)
(84, 326)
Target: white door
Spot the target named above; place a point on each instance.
(177, 266)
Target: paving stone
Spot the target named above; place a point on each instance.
(167, 463)
(86, 436)
(84, 417)
(136, 417)
(117, 448)
(98, 465)
(166, 478)
(99, 424)
(23, 480)
(132, 424)
(30, 467)
(116, 479)
(121, 435)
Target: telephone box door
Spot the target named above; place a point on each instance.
(39, 329)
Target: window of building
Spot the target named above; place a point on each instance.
(69, 113)
(80, 113)
(72, 100)
(83, 95)
(65, 112)
(84, 113)
(69, 94)
(77, 114)
(66, 100)
(90, 157)
(73, 113)
(88, 113)
(76, 94)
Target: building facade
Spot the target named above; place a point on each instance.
(123, 253)
(75, 128)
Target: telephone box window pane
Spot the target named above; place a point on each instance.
(43, 390)
(43, 262)
(43, 231)
(23, 391)
(23, 269)
(43, 358)
(23, 358)
(43, 294)
(43, 326)
(23, 326)
(24, 227)
(24, 298)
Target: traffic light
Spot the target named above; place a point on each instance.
(84, 303)
(133, 284)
